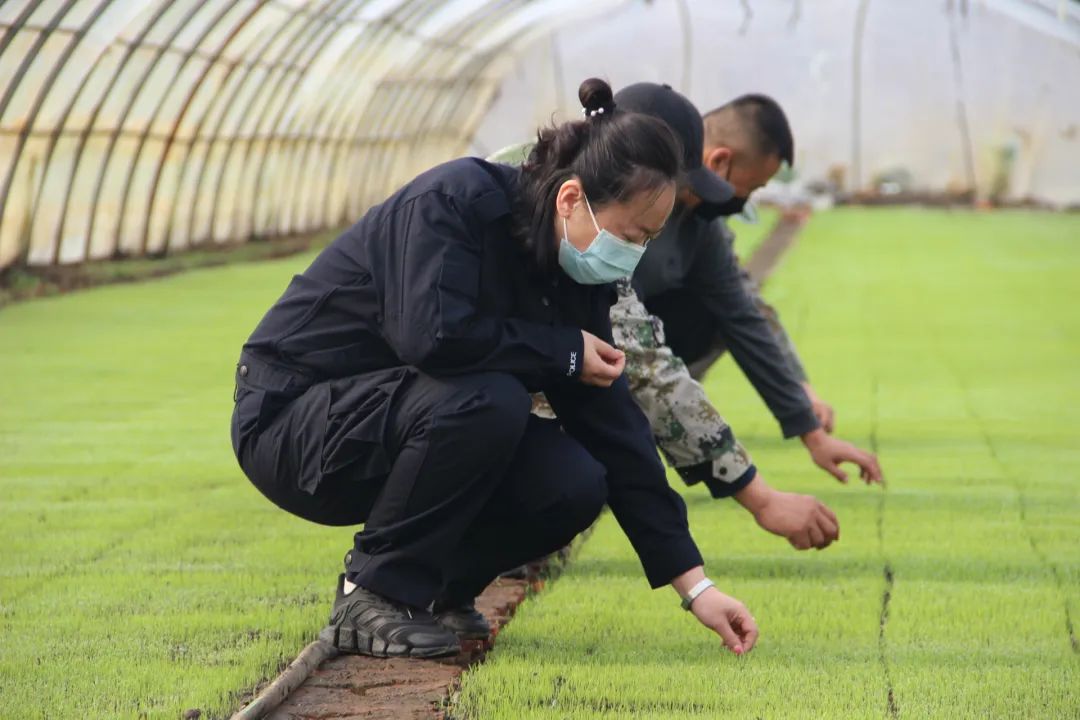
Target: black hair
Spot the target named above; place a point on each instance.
(765, 121)
(615, 154)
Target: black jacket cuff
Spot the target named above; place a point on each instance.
(723, 488)
(666, 562)
(800, 423)
(568, 352)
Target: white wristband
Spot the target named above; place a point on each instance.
(691, 596)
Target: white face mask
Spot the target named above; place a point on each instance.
(607, 259)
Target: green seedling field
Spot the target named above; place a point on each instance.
(141, 575)
(950, 342)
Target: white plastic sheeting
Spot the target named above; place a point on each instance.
(958, 95)
(132, 127)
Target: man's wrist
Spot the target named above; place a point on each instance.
(814, 437)
(755, 495)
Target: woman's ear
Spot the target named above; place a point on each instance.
(718, 160)
(569, 195)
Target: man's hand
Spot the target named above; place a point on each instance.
(822, 410)
(602, 364)
(828, 452)
(721, 613)
(803, 520)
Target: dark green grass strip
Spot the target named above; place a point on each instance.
(889, 576)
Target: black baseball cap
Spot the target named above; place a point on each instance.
(661, 101)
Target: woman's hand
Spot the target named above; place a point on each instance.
(721, 613)
(728, 618)
(602, 364)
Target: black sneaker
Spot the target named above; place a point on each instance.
(465, 621)
(364, 623)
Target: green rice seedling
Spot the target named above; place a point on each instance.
(946, 341)
(142, 575)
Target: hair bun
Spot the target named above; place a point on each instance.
(596, 98)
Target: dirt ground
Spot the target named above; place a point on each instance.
(354, 687)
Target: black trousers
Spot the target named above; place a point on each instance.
(690, 330)
(454, 480)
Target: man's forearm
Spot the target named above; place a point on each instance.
(772, 317)
(746, 333)
(689, 430)
(758, 355)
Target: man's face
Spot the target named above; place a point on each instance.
(745, 171)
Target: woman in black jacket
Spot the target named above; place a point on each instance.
(390, 385)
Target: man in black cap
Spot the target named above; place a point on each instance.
(689, 299)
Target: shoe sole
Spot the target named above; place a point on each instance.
(465, 634)
(350, 640)
(471, 635)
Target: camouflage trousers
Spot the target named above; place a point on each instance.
(689, 430)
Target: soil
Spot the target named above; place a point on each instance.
(354, 687)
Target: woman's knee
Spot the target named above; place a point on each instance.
(584, 495)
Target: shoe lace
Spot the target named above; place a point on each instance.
(402, 608)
